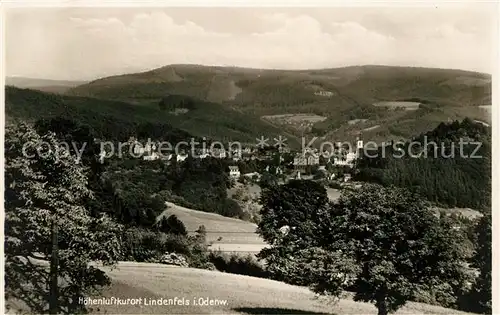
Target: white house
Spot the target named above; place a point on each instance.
(167, 157)
(278, 171)
(218, 153)
(299, 160)
(204, 155)
(102, 156)
(306, 159)
(313, 159)
(138, 148)
(348, 160)
(150, 147)
(323, 93)
(234, 172)
(151, 156)
(351, 156)
(181, 157)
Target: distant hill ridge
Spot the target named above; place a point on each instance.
(339, 94)
(118, 120)
(231, 102)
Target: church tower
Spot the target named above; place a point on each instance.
(359, 146)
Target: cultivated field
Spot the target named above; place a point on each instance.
(356, 121)
(396, 104)
(294, 120)
(371, 128)
(487, 108)
(243, 295)
(466, 212)
(227, 234)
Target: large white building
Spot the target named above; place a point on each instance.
(181, 157)
(351, 156)
(306, 159)
(234, 172)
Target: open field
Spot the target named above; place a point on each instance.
(371, 128)
(227, 234)
(250, 190)
(294, 120)
(242, 294)
(356, 121)
(333, 193)
(487, 108)
(396, 104)
(466, 212)
(467, 80)
(230, 293)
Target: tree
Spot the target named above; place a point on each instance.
(201, 233)
(384, 244)
(297, 205)
(172, 225)
(45, 221)
(289, 223)
(461, 181)
(268, 180)
(481, 291)
(82, 138)
(74, 134)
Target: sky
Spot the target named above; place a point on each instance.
(89, 43)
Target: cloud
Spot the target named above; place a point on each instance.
(69, 47)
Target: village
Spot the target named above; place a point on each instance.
(335, 165)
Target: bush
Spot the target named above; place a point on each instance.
(242, 265)
(172, 225)
(147, 246)
(231, 208)
(245, 216)
(441, 295)
(174, 259)
(335, 185)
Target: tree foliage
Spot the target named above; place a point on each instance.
(460, 181)
(172, 225)
(482, 260)
(385, 244)
(44, 188)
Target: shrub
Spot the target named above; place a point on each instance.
(174, 259)
(146, 246)
(242, 265)
(335, 185)
(245, 216)
(172, 225)
(231, 208)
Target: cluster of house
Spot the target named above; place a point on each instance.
(324, 93)
(301, 160)
(311, 157)
(338, 156)
(151, 152)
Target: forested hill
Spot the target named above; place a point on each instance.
(111, 120)
(118, 120)
(381, 102)
(267, 91)
(444, 176)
